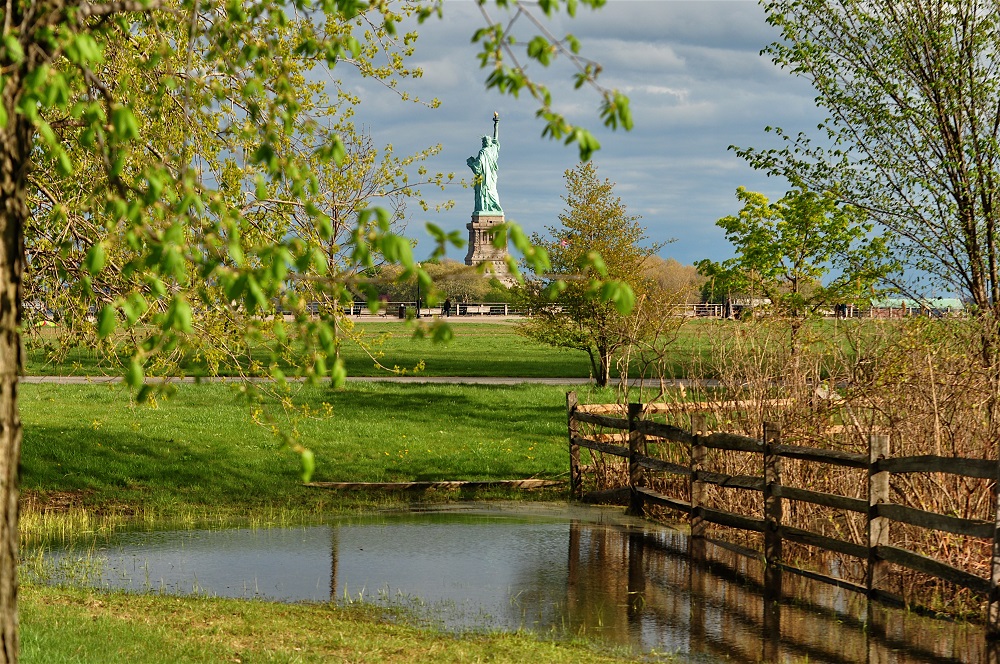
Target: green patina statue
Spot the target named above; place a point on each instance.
(484, 167)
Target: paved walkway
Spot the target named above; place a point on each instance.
(455, 380)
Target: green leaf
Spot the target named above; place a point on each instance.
(308, 464)
(107, 320)
(257, 299)
(595, 261)
(324, 226)
(338, 375)
(326, 339)
(13, 47)
(95, 259)
(620, 294)
(319, 261)
(125, 125)
(63, 162)
(156, 285)
(145, 392)
(83, 49)
(182, 316)
(134, 375)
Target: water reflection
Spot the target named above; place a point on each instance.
(563, 571)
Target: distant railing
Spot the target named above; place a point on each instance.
(876, 554)
(402, 309)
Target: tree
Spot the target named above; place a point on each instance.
(784, 250)
(673, 277)
(912, 89)
(595, 221)
(158, 148)
(452, 279)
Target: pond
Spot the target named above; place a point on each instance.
(553, 569)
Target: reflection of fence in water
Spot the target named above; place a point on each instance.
(731, 486)
(722, 607)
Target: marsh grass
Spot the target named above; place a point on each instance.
(922, 381)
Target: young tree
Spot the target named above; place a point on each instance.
(177, 111)
(453, 279)
(673, 277)
(595, 221)
(785, 250)
(912, 91)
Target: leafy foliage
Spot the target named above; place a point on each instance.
(673, 277)
(173, 177)
(784, 250)
(912, 93)
(498, 42)
(597, 273)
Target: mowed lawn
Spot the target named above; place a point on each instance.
(207, 446)
(206, 454)
(477, 349)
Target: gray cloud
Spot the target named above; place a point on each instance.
(697, 85)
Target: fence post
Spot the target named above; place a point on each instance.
(635, 475)
(772, 513)
(699, 455)
(993, 612)
(878, 526)
(575, 476)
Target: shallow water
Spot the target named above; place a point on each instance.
(552, 569)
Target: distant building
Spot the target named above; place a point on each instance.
(899, 307)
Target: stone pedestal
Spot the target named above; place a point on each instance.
(481, 249)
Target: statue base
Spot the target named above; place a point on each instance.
(481, 249)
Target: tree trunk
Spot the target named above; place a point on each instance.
(597, 367)
(15, 151)
(605, 368)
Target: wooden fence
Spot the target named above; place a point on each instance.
(877, 554)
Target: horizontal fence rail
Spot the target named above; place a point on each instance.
(880, 513)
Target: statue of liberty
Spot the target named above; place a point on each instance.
(484, 169)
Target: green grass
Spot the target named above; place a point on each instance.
(477, 349)
(199, 456)
(201, 448)
(77, 625)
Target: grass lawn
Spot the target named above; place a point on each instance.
(202, 450)
(495, 349)
(199, 455)
(477, 349)
(202, 456)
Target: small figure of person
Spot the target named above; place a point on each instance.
(447, 306)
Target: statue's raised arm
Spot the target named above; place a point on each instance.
(484, 167)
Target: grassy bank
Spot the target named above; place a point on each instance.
(88, 445)
(69, 625)
(91, 457)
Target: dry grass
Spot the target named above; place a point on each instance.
(921, 381)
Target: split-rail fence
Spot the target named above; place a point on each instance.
(877, 554)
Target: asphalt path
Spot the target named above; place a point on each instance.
(453, 380)
(441, 380)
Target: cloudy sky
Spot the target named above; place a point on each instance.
(697, 84)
